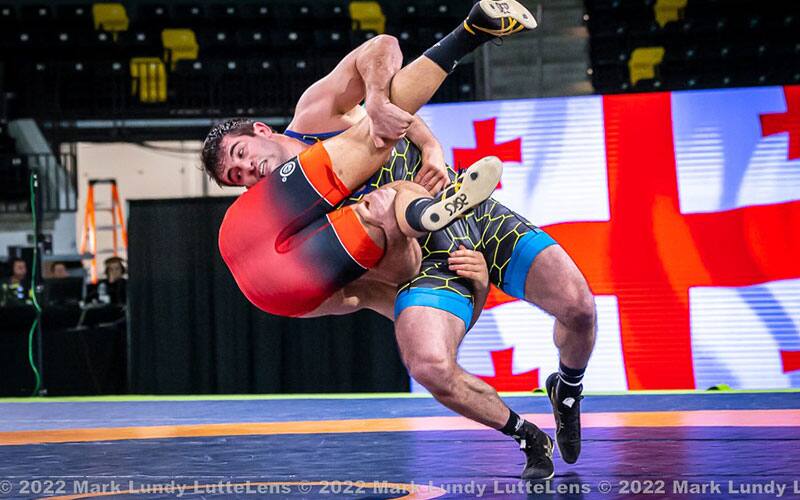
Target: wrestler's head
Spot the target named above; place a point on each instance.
(240, 152)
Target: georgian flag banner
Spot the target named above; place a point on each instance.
(683, 212)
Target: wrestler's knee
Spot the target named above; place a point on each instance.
(434, 370)
(579, 312)
(410, 188)
(555, 284)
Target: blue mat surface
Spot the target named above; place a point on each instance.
(450, 460)
(43, 415)
(616, 462)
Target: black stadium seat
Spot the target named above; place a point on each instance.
(708, 43)
(357, 37)
(403, 14)
(225, 15)
(58, 65)
(76, 17)
(297, 15)
(140, 43)
(37, 16)
(191, 15)
(292, 40)
(13, 178)
(257, 15)
(331, 14)
(190, 85)
(152, 16)
(9, 19)
(336, 42)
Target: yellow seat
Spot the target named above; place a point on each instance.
(643, 62)
(367, 16)
(110, 17)
(179, 44)
(149, 79)
(668, 10)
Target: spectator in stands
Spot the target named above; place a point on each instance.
(58, 270)
(16, 289)
(112, 289)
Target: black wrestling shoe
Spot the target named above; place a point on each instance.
(567, 413)
(538, 449)
(472, 187)
(499, 18)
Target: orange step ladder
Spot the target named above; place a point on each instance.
(90, 228)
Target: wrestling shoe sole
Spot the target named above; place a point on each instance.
(477, 183)
(509, 9)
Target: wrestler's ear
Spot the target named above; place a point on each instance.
(262, 129)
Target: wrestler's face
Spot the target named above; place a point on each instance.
(246, 159)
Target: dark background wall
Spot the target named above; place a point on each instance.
(76, 361)
(191, 331)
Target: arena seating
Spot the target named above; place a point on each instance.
(253, 57)
(641, 45)
(13, 172)
(13, 182)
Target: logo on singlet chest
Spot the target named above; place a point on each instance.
(287, 170)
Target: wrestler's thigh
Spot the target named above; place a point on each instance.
(554, 282)
(427, 335)
(354, 156)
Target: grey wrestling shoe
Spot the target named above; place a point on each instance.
(473, 186)
(567, 412)
(499, 18)
(538, 448)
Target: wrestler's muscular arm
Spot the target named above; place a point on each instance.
(332, 104)
(365, 74)
(433, 173)
(471, 264)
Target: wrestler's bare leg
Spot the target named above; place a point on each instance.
(355, 157)
(428, 339)
(555, 284)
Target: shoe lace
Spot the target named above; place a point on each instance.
(452, 188)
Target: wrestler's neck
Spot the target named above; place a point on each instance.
(290, 145)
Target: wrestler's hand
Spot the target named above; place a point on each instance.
(387, 121)
(377, 209)
(470, 264)
(433, 173)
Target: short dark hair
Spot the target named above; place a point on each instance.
(115, 259)
(211, 155)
